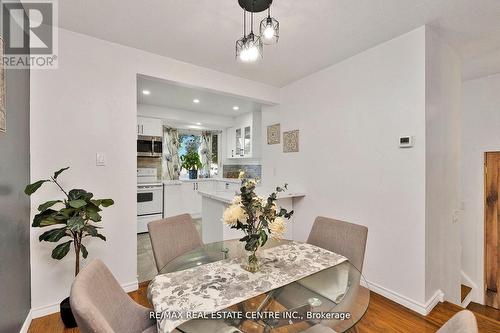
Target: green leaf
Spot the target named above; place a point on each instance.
(53, 235)
(85, 253)
(91, 230)
(76, 223)
(263, 238)
(244, 239)
(78, 203)
(76, 194)
(45, 218)
(57, 173)
(94, 216)
(92, 207)
(65, 214)
(107, 202)
(101, 236)
(61, 250)
(47, 205)
(32, 188)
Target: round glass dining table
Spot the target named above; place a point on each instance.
(332, 300)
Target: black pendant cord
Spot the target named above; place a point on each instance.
(244, 23)
(252, 24)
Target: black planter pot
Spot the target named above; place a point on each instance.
(66, 314)
(193, 174)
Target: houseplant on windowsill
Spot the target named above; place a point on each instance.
(258, 217)
(74, 216)
(191, 162)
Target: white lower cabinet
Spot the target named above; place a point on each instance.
(173, 200)
(184, 198)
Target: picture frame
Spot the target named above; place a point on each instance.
(274, 134)
(291, 141)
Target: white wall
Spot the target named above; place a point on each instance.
(175, 116)
(480, 134)
(443, 98)
(89, 105)
(350, 117)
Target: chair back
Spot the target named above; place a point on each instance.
(99, 303)
(462, 322)
(172, 237)
(347, 239)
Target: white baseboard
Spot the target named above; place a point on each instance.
(44, 310)
(27, 323)
(54, 308)
(132, 286)
(421, 308)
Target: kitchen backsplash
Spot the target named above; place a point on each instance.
(233, 171)
(148, 162)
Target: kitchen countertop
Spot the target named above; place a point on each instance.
(227, 196)
(181, 181)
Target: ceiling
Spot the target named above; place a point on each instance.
(174, 96)
(314, 34)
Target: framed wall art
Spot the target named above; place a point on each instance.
(273, 134)
(291, 141)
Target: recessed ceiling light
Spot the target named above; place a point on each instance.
(146, 92)
(236, 108)
(199, 124)
(196, 101)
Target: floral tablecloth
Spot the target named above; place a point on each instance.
(218, 285)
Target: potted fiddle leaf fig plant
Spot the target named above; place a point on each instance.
(74, 218)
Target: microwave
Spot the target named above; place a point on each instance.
(149, 146)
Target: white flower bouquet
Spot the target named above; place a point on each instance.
(258, 217)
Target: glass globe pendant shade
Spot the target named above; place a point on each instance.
(269, 30)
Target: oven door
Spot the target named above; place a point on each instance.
(149, 200)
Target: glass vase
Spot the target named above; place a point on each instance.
(252, 261)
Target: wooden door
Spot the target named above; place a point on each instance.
(492, 228)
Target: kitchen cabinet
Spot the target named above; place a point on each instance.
(183, 197)
(243, 140)
(149, 126)
(174, 203)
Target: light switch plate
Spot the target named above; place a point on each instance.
(100, 159)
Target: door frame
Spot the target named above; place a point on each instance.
(485, 196)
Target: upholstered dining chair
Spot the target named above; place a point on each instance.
(99, 304)
(172, 237)
(462, 322)
(341, 237)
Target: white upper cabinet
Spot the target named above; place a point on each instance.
(149, 126)
(243, 140)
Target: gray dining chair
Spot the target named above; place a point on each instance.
(172, 237)
(462, 322)
(99, 304)
(341, 237)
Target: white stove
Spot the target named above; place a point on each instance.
(149, 198)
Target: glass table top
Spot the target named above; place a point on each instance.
(332, 300)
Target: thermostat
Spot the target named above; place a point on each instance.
(406, 141)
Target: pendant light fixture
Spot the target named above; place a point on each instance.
(249, 48)
(269, 29)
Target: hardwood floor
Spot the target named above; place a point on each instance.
(383, 315)
(464, 291)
